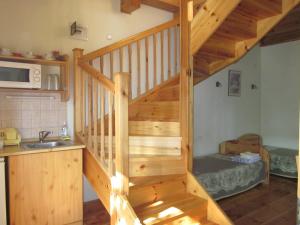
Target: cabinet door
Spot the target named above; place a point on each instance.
(46, 188)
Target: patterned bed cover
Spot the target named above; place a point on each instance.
(223, 178)
(283, 161)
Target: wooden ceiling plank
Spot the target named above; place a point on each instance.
(208, 19)
(128, 6)
(168, 5)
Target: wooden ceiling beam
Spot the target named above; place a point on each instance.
(128, 6)
(168, 5)
(208, 19)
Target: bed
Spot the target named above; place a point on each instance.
(282, 161)
(223, 177)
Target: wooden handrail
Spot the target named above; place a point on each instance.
(98, 75)
(127, 41)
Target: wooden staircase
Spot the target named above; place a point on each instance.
(232, 32)
(154, 203)
(131, 100)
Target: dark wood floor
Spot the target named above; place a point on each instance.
(274, 204)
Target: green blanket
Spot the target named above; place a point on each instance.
(283, 161)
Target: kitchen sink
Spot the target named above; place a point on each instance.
(47, 144)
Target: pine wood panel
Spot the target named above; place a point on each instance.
(154, 111)
(214, 212)
(121, 130)
(154, 128)
(155, 165)
(186, 209)
(97, 177)
(207, 20)
(154, 188)
(46, 188)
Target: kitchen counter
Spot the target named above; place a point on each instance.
(20, 150)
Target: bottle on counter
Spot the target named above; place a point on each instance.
(64, 132)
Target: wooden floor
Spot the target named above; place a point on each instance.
(264, 205)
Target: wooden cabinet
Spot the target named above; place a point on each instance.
(64, 66)
(46, 188)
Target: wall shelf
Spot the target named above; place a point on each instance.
(64, 74)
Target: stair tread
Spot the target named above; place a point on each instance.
(155, 157)
(171, 208)
(151, 180)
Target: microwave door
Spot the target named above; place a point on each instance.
(14, 77)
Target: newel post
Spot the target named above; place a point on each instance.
(121, 131)
(186, 83)
(77, 53)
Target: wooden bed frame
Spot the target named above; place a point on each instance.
(247, 143)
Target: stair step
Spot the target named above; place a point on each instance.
(149, 189)
(155, 146)
(173, 209)
(238, 27)
(167, 111)
(260, 9)
(151, 165)
(154, 128)
(169, 93)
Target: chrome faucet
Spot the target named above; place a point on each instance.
(43, 134)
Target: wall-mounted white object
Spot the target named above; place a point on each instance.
(78, 31)
(109, 37)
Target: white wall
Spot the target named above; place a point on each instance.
(43, 26)
(219, 117)
(280, 82)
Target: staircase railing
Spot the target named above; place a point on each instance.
(150, 57)
(101, 122)
(105, 80)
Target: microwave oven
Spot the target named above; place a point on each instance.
(20, 75)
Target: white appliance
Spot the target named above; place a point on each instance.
(20, 75)
(3, 220)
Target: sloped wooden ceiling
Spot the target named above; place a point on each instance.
(287, 30)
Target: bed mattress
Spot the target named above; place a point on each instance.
(223, 178)
(283, 161)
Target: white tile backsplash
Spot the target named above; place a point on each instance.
(30, 116)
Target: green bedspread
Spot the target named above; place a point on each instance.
(283, 161)
(222, 177)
